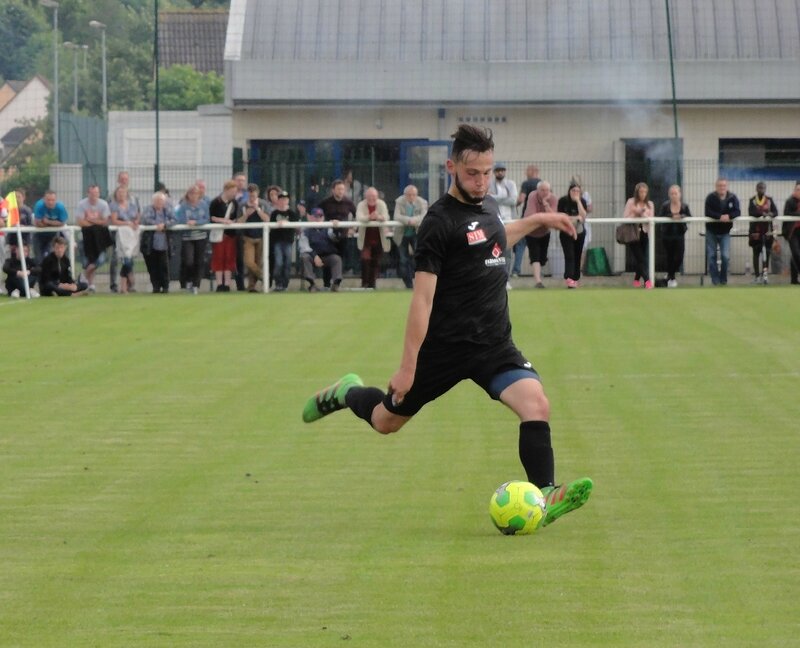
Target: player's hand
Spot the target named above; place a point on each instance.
(399, 384)
(725, 218)
(317, 261)
(561, 222)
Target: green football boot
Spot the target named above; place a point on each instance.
(330, 399)
(565, 498)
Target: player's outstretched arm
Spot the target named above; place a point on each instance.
(419, 313)
(517, 229)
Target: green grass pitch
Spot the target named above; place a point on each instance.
(157, 486)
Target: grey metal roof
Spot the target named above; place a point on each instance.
(519, 30)
(192, 37)
(372, 51)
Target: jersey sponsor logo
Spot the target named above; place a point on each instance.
(497, 258)
(476, 237)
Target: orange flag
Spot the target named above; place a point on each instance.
(13, 209)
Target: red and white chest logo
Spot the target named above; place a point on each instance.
(497, 250)
(475, 237)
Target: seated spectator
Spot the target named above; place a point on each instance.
(319, 248)
(93, 218)
(56, 274)
(155, 244)
(791, 231)
(253, 210)
(282, 241)
(762, 207)
(372, 241)
(539, 201)
(193, 212)
(409, 209)
(47, 212)
(222, 211)
(125, 216)
(15, 275)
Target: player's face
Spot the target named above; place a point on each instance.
(471, 175)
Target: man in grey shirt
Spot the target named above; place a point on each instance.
(93, 217)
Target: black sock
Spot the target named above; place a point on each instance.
(536, 453)
(362, 400)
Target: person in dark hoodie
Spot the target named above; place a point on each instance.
(319, 248)
(791, 230)
(722, 206)
(56, 273)
(15, 275)
(763, 207)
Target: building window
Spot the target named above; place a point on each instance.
(759, 159)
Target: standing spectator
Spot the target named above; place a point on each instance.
(47, 212)
(302, 211)
(673, 234)
(338, 207)
(372, 241)
(791, 230)
(722, 206)
(587, 226)
(241, 198)
(319, 249)
(540, 201)
(123, 180)
(56, 275)
(125, 216)
(312, 196)
(574, 206)
(15, 275)
(271, 195)
(155, 244)
(527, 187)
(223, 248)
(763, 207)
(409, 209)
(282, 241)
(504, 191)
(193, 212)
(93, 217)
(201, 188)
(254, 210)
(355, 190)
(640, 206)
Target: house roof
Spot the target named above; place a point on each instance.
(17, 85)
(16, 136)
(486, 50)
(192, 37)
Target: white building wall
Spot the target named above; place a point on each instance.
(192, 145)
(30, 104)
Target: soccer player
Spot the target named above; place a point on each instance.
(458, 325)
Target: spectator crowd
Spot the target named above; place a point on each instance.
(356, 240)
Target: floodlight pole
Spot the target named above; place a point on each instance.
(156, 63)
(52, 4)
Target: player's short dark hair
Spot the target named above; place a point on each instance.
(471, 138)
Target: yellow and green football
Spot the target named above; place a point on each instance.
(517, 508)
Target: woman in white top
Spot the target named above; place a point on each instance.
(640, 206)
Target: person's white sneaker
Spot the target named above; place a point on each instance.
(14, 294)
(34, 293)
(195, 290)
(92, 289)
(672, 284)
(508, 285)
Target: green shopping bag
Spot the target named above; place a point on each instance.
(597, 262)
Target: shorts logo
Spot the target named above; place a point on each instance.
(476, 237)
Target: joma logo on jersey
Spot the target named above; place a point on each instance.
(476, 237)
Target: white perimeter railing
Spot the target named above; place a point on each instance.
(71, 230)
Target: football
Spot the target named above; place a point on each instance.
(517, 508)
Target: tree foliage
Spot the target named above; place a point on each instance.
(181, 87)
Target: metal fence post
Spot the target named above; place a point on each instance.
(651, 253)
(265, 259)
